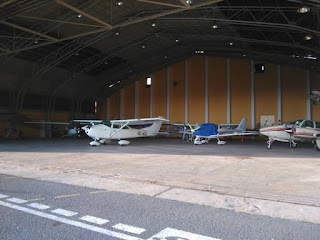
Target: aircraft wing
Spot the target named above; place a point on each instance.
(139, 120)
(247, 133)
(51, 123)
(87, 121)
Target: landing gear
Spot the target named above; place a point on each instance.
(269, 143)
(292, 144)
(95, 143)
(317, 145)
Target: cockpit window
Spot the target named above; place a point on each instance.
(317, 124)
(298, 122)
(308, 123)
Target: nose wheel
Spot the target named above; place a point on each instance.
(269, 143)
(293, 144)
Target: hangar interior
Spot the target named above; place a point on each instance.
(209, 60)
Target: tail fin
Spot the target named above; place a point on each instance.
(155, 127)
(243, 125)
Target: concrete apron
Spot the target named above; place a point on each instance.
(278, 187)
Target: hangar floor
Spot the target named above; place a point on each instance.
(242, 176)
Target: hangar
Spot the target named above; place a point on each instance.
(207, 60)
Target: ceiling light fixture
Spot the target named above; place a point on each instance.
(231, 43)
(36, 41)
(177, 40)
(119, 3)
(117, 33)
(153, 25)
(143, 46)
(111, 85)
(79, 15)
(307, 37)
(189, 1)
(303, 10)
(215, 26)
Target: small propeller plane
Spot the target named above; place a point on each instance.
(209, 131)
(103, 131)
(300, 130)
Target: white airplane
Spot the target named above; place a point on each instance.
(301, 130)
(69, 131)
(209, 131)
(103, 131)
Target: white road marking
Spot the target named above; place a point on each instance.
(16, 200)
(3, 196)
(95, 220)
(64, 212)
(38, 206)
(177, 234)
(128, 228)
(71, 222)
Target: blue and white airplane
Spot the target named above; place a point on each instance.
(208, 131)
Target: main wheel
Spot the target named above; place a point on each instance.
(316, 147)
(268, 145)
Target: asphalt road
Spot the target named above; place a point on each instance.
(61, 211)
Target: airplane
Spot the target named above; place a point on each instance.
(103, 131)
(300, 130)
(69, 131)
(209, 131)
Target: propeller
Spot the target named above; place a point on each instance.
(192, 130)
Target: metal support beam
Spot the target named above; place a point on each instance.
(121, 103)
(228, 91)
(184, 2)
(28, 30)
(83, 13)
(206, 91)
(279, 94)
(151, 97)
(136, 92)
(308, 80)
(160, 3)
(158, 15)
(6, 3)
(253, 114)
(168, 95)
(186, 79)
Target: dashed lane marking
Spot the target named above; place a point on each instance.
(3, 196)
(128, 228)
(38, 206)
(95, 220)
(64, 212)
(170, 233)
(70, 195)
(17, 200)
(71, 222)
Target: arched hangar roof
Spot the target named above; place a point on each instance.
(119, 41)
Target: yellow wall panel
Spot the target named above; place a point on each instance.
(177, 88)
(143, 99)
(266, 93)
(128, 101)
(115, 106)
(196, 89)
(315, 84)
(217, 90)
(159, 87)
(294, 104)
(240, 90)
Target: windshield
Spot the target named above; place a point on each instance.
(298, 122)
